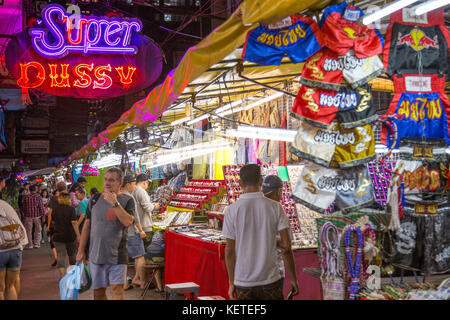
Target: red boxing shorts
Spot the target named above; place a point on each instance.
(420, 108)
(297, 37)
(348, 147)
(318, 187)
(320, 107)
(410, 38)
(326, 69)
(341, 30)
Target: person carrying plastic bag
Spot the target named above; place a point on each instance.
(77, 280)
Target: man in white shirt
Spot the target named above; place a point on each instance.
(10, 258)
(144, 207)
(250, 227)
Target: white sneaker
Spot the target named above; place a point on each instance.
(42, 241)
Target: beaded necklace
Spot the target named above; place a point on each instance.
(353, 269)
(330, 250)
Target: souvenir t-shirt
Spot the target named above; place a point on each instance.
(108, 240)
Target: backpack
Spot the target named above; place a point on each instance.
(11, 233)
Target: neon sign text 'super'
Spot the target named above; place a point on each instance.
(33, 75)
(89, 35)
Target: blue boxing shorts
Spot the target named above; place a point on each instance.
(297, 37)
(419, 109)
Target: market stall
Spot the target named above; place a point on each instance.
(308, 98)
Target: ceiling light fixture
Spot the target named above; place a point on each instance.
(392, 7)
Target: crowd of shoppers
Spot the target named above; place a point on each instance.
(115, 226)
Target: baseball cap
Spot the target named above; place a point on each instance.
(142, 177)
(270, 184)
(130, 177)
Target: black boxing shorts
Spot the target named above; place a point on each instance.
(410, 38)
(423, 166)
(342, 32)
(420, 108)
(349, 147)
(320, 107)
(326, 69)
(432, 223)
(296, 36)
(318, 187)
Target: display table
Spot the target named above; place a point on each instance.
(193, 260)
(310, 287)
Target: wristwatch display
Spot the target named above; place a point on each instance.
(115, 205)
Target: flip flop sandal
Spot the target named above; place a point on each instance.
(129, 288)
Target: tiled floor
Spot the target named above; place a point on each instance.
(39, 280)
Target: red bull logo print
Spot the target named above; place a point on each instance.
(418, 40)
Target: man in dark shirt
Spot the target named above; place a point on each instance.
(106, 223)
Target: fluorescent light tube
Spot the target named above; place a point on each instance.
(397, 5)
(429, 6)
(180, 121)
(205, 116)
(263, 133)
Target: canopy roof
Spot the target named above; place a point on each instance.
(209, 72)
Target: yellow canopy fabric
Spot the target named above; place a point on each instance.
(211, 50)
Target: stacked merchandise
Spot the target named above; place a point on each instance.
(197, 196)
(334, 104)
(201, 232)
(416, 56)
(175, 218)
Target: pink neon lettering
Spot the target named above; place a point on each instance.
(111, 36)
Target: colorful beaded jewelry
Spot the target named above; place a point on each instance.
(353, 269)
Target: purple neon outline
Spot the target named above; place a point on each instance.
(38, 36)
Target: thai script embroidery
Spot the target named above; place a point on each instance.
(283, 37)
(421, 179)
(336, 183)
(420, 108)
(335, 137)
(342, 63)
(341, 100)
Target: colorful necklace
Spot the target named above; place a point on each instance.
(353, 269)
(330, 250)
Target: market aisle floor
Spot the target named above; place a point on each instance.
(39, 280)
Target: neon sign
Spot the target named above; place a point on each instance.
(89, 34)
(33, 75)
(83, 57)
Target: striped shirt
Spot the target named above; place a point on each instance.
(33, 206)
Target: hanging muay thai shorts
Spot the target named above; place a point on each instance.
(420, 108)
(320, 107)
(408, 244)
(342, 32)
(415, 43)
(296, 36)
(437, 241)
(318, 187)
(326, 69)
(423, 166)
(349, 147)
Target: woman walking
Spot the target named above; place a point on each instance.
(63, 218)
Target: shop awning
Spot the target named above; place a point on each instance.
(210, 59)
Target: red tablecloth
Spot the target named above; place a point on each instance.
(310, 287)
(194, 260)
